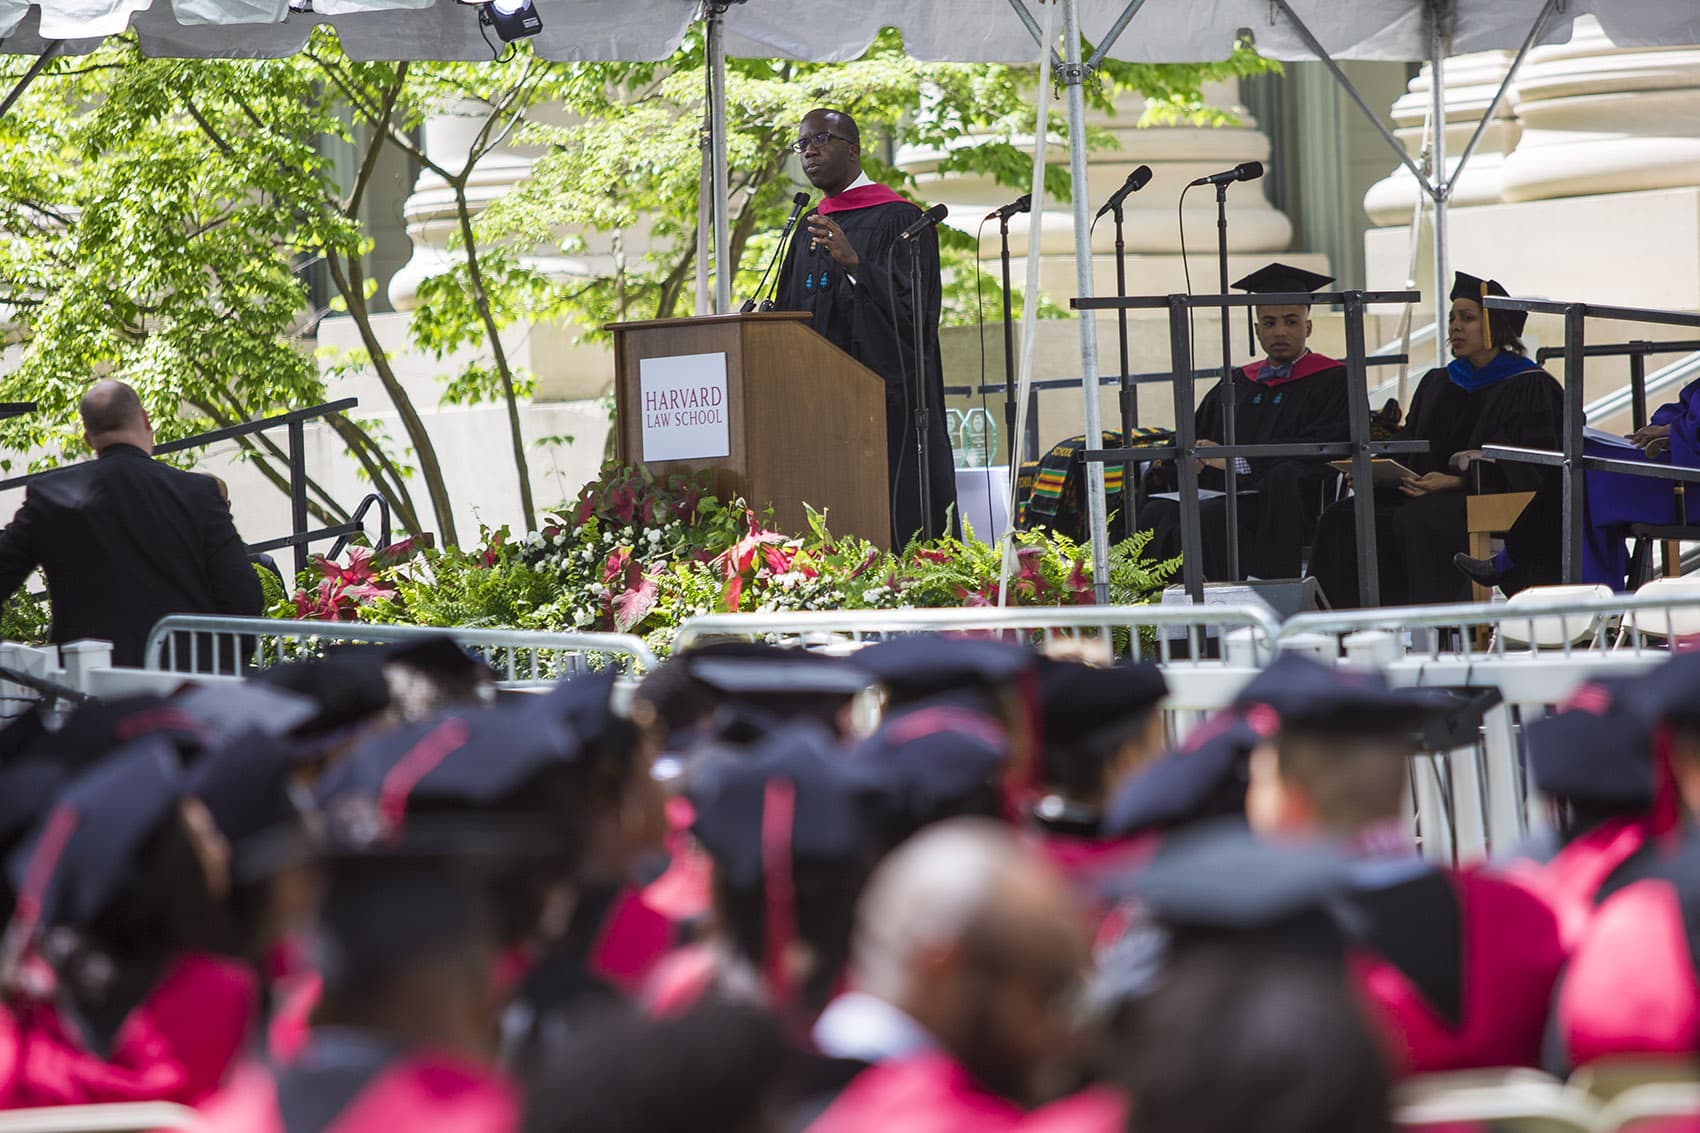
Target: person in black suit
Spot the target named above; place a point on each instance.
(125, 540)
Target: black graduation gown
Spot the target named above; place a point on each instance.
(1416, 537)
(1288, 498)
(870, 319)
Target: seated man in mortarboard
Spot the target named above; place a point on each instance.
(967, 948)
(1633, 985)
(1490, 394)
(119, 890)
(1593, 760)
(1459, 965)
(1291, 395)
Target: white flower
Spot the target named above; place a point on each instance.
(872, 593)
(655, 535)
(586, 556)
(581, 617)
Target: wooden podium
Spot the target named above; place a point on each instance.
(805, 422)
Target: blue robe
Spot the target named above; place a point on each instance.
(1614, 502)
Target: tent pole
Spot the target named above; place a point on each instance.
(48, 53)
(1074, 76)
(714, 12)
(1438, 185)
(1034, 29)
(705, 207)
(1115, 32)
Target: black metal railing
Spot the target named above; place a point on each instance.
(1571, 458)
(1359, 447)
(295, 424)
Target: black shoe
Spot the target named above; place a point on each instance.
(1480, 571)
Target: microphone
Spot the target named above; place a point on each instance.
(798, 204)
(1136, 181)
(1023, 203)
(929, 218)
(1244, 171)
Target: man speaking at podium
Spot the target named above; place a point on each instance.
(845, 266)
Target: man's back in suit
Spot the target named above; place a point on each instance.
(125, 540)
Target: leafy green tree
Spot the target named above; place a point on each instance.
(636, 127)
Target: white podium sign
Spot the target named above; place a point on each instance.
(684, 407)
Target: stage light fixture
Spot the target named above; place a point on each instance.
(512, 19)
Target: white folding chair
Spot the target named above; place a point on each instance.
(1555, 630)
(115, 1117)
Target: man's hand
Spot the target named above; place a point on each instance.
(1220, 465)
(1647, 434)
(1431, 483)
(1657, 448)
(826, 235)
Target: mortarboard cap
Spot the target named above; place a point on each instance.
(584, 706)
(100, 726)
(246, 786)
(1670, 693)
(1276, 277)
(1204, 778)
(733, 804)
(1503, 326)
(454, 768)
(347, 685)
(79, 855)
(924, 664)
(21, 733)
(1079, 701)
(1597, 749)
(781, 672)
(224, 710)
(935, 758)
(1306, 694)
(1220, 882)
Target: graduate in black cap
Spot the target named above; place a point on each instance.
(1490, 394)
(1633, 985)
(787, 829)
(1102, 726)
(1460, 965)
(1251, 1020)
(1292, 394)
(404, 1036)
(119, 889)
(1593, 760)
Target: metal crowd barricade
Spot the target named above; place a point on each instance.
(1207, 652)
(1360, 449)
(1571, 457)
(193, 644)
(1475, 800)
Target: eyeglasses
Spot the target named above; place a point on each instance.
(816, 140)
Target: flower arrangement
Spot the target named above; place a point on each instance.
(634, 554)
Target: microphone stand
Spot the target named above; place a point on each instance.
(1129, 395)
(1230, 476)
(1008, 352)
(923, 410)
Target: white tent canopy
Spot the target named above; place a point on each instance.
(959, 30)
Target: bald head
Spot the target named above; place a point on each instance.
(956, 880)
(974, 936)
(113, 414)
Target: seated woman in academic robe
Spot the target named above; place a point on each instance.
(1614, 502)
(1292, 394)
(1490, 394)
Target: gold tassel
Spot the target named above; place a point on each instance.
(1487, 318)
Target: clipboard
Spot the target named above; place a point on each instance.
(1385, 472)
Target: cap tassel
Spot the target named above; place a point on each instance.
(778, 818)
(437, 745)
(1487, 318)
(1666, 816)
(27, 912)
